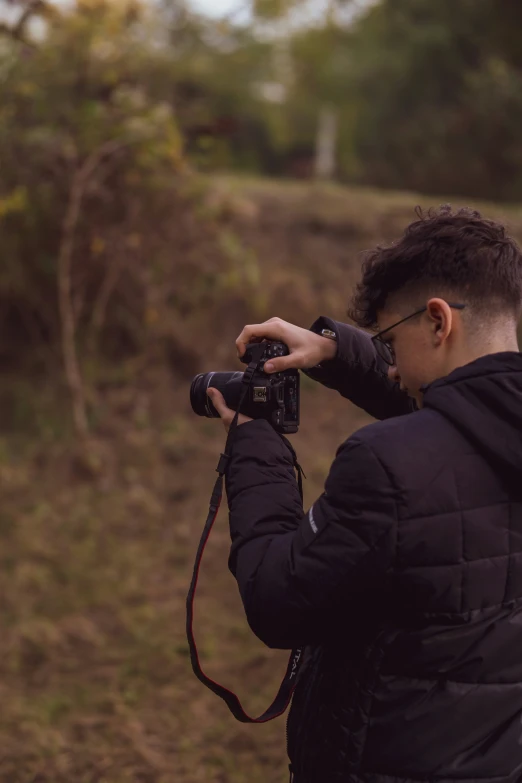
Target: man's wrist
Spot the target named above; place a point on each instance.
(330, 344)
(326, 328)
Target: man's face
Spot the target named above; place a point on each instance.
(420, 345)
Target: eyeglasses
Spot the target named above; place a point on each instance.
(384, 349)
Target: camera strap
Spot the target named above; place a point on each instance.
(284, 695)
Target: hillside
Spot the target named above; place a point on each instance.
(96, 557)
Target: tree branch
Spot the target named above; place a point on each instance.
(67, 316)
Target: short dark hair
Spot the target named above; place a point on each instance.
(444, 253)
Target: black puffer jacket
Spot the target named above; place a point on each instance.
(404, 579)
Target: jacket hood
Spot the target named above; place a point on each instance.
(483, 400)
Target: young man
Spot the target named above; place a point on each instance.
(404, 579)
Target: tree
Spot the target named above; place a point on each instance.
(82, 147)
(439, 97)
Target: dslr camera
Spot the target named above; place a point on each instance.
(274, 397)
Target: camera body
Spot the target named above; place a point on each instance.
(274, 397)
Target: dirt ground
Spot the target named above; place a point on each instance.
(96, 554)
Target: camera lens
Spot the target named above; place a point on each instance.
(228, 383)
(201, 404)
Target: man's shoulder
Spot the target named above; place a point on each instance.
(392, 438)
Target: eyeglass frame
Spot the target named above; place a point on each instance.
(378, 341)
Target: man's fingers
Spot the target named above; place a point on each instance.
(282, 363)
(270, 330)
(218, 401)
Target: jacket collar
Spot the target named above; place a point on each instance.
(506, 361)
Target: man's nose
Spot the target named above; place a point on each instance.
(393, 374)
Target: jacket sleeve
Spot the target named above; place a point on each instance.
(359, 374)
(300, 573)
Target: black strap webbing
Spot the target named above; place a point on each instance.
(282, 700)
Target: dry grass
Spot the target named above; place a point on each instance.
(95, 679)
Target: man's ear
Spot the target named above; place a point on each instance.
(441, 317)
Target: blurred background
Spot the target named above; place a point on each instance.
(170, 171)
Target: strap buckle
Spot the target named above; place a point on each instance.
(223, 464)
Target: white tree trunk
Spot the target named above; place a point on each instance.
(326, 145)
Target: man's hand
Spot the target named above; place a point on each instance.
(226, 413)
(307, 349)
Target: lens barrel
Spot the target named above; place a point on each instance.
(200, 401)
(228, 383)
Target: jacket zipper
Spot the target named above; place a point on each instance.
(373, 657)
(305, 720)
